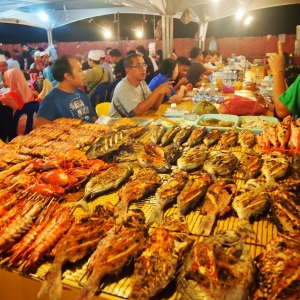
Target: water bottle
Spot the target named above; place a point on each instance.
(173, 108)
(201, 93)
(216, 95)
(257, 76)
(207, 95)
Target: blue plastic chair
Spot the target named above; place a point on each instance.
(99, 94)
(28, 109)
(111, 88)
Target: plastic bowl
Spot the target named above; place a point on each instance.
(270, 120)
(266, 91)
(232, 118)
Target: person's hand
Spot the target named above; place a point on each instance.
(183, 81)
(165, 88)
(276, 60)
(189, 87)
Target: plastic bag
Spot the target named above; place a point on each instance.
(241, 106)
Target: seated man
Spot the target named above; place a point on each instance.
(66, 100)
(196, 69)
(286, 101)
(183, 67)
(97, 74)
(132, 96)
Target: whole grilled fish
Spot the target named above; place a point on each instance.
(157, 265)
(183, 135)
(167, 193)
(144, 182)
(193, 190)
(251, 164)
(196, 137)
(194, 158)
(246, 139)
(216, 202)
(228, 139)
(106, 144)
(221, 163)
(219, 268)
(156, 133)
(279, 269)
(173, 152)
(128, 152)
(160, 164)
(123, 242)
(168, 137)
(81, 240)
(251, 202)
(108, 179)
(296, 166)
(212, 137)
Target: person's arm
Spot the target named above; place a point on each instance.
(177, 98)
(154, 100)
(39, 121)
(181, 81)
(276, 62)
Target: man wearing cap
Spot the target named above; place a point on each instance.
(11, 63)
(52, 49)
(97, 74)
(36, 55)
(65, 100)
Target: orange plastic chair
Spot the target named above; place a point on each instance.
(102, 109)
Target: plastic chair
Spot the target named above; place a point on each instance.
(28, 109)
(111, 88)
(103, 109)
(99, 94)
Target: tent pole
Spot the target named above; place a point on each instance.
(118, 29)
(167, 35)
(49, 36)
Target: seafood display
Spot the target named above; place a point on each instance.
(220, 268)
(190, 184)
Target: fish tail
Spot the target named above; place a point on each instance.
(245, 229)
(83, 204)
(156, 216)
(90, 287)
(52, 283)
(205, 225)
(121, 209)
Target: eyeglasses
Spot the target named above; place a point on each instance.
(138, 66)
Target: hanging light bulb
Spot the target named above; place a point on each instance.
(240, 14)
(107, 33)
(248, 20)
(139, 33)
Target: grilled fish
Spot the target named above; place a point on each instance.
(157, 265)
(167, 193)
(81, 240)
(193, 190)
(144, 182)
(160, 164)
(168, 137)
(246, 139)
(122, 243)
(183, 135)
(194, 158)
(228, 139)
(173, 152)
(156, 133)
(128, 152)
(124, 123)
(212, 137)
(221, 163)
(220, 268)
(296, 166)
(251, 164)
(279, 269)
(216, 202)
(108, 179)
(196, 137)
(251, 202)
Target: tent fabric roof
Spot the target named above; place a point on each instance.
(64, 12)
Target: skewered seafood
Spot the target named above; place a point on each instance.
(157, 265)
(123, 242)
(216, 202)
(221, 163)
(279, 269)
(251, 202)
(194, 158)
(275, 165)
(144, 182)
(193, 190)
(220, 268)
(167, 193)
(81, 240)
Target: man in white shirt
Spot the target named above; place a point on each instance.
(11, 63)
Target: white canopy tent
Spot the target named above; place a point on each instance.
(60, 13)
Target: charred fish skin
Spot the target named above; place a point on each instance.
(160, 164)
(183, 135)
(167, 193)
(156, 133)
(278, 269)
(168, 137)
(196, 137)
(296, 166)
(212, 137)
(250, 164)
(193, 190)
(194, 158)
(173, 152)
(158, 263)
(220, 268)
(228, 139)
(246, 139)
(253, 201)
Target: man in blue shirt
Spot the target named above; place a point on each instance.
(66, 100)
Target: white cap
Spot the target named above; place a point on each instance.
(95, 55)
(37, 53)
(44, 53)
(2, 58)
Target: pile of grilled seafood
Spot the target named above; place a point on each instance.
(212, 175)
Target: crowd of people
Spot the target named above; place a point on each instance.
(64, 85)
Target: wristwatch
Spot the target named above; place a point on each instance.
(266, 106)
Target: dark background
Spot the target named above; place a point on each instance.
(274, 21)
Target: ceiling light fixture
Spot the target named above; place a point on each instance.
(43, 16)
(248, 20)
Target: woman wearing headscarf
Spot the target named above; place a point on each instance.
(48, 75)
(38, 67)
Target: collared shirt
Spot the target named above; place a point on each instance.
(13, 64)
